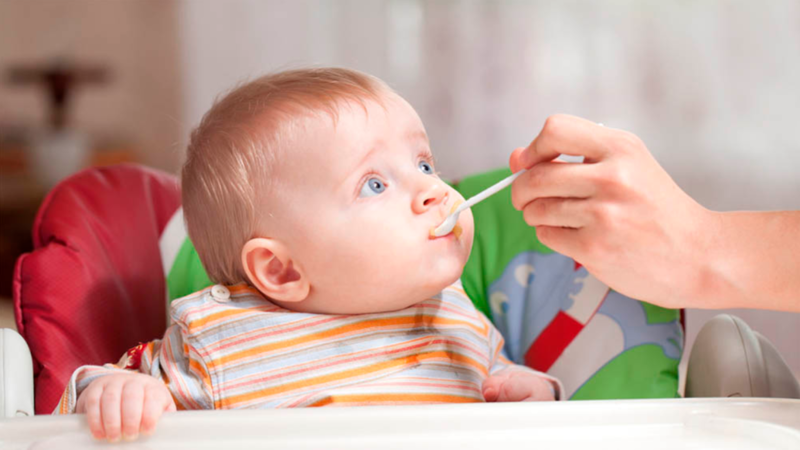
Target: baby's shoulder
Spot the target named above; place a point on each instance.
(216, 304)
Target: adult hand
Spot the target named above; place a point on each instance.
(618, 213)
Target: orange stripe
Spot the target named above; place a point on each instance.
(361, 371)
(195, 366)
(328, 334)
(196, 325)
(178, 405)
(394, 398)
(63, 404)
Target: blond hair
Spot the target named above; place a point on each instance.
(232, 153)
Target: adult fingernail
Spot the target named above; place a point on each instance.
(113, 440)
(517, 160)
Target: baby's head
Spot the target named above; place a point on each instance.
(318, 188)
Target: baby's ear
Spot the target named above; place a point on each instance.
(270, 268)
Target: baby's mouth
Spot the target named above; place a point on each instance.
(457, 230)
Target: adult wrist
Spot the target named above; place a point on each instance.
(716, 286)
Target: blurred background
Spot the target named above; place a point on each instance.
(711, 87)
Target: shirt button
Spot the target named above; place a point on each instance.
(220, 293)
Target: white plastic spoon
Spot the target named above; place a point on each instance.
(451, 220)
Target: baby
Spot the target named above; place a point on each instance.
(310, 196)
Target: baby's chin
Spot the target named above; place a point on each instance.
(445, 274)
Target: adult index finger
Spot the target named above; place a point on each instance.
(562, 134)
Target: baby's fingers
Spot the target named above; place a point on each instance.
(132, 405)
(89, 403)
(110, 409)
(515, 390)
(491, 388)
(157, 400)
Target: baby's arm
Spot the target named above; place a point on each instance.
(124, 399)
(509, 382)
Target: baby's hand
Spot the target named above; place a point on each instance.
(517, 385)
(125, 403)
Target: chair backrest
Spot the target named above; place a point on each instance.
(94, 284)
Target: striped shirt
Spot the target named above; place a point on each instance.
(246, 352)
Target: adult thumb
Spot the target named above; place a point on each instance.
(515, 162)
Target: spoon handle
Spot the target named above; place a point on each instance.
(488, 192)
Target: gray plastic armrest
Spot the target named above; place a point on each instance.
(16, 375)
(729, 359)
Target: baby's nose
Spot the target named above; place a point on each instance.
(429, 198)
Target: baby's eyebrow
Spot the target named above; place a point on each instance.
(353, 170)
(369, 154)
(411, 136)
(417, 135)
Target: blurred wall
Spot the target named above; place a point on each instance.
(137, 40)
(711, 87)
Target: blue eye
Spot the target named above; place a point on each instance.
(426, 167)
(372, 187)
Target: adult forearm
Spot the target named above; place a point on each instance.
(752, 261)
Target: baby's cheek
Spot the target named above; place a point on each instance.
(467, 223)
(381, 244)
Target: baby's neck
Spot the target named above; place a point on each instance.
(318, 305)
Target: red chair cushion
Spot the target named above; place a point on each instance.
(94, 285)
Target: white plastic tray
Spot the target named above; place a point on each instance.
(620, 424)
